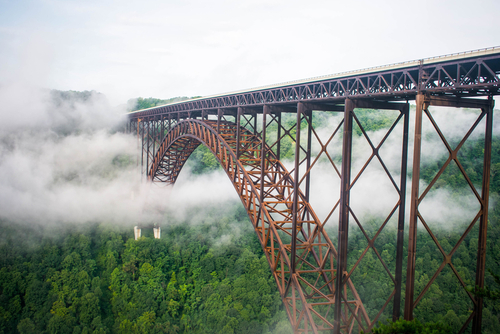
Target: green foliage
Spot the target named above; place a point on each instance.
(103, 281)
(374, 120)
(412, 327)
(72, 97)
(100, 280)
(487, 292)
(202, 161)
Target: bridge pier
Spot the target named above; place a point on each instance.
(345, 211)
(345, 187)
(423, 102)
(156, 230)
(137, 232)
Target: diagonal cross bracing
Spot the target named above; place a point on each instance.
(301, 256)
(308, 291)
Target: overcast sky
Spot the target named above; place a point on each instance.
(169, 48)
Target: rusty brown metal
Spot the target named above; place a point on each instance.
(306, 289)
(468, 75)
(401, 219)
(314, 278)
(259, 163)
(483, 223)
(346, 211)
(295, 218)
(486, 107)
(422, 104)
(345, 184)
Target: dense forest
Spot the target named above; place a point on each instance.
(209, 275)
(98, 279)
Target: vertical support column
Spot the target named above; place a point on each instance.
(263, 154)
(296, 176)
(162, 135)
(401, 218)
(219, 116)
(422, 103)
(238, 124)
(255, 132)
(159, 124)
(483, 223)
(263, 167)
(142, 149)
(278, 149)
(156, 232)
(308, 157)
(155, 130)
(148, 130)
(138, 141)
(345, 184)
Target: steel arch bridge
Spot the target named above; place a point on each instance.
(247, 131)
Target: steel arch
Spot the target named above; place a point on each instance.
(300, 253)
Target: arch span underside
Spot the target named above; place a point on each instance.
(301, 256)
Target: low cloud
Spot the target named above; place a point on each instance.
(57, 167)
(62, 160)
(373, 195)
(207, 190)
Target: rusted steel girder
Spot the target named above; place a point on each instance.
(481, 218)
(346, 211)
(268, 191)
(302, 257)
(295, 216)
(303, 266)
(472, 73)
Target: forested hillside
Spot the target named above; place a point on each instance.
(98, 279)
(209, 274)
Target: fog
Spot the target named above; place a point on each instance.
(60, 162)
(64, 160)
(373, 195)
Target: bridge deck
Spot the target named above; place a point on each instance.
(470, 73)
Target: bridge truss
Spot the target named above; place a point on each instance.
(250, 133)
